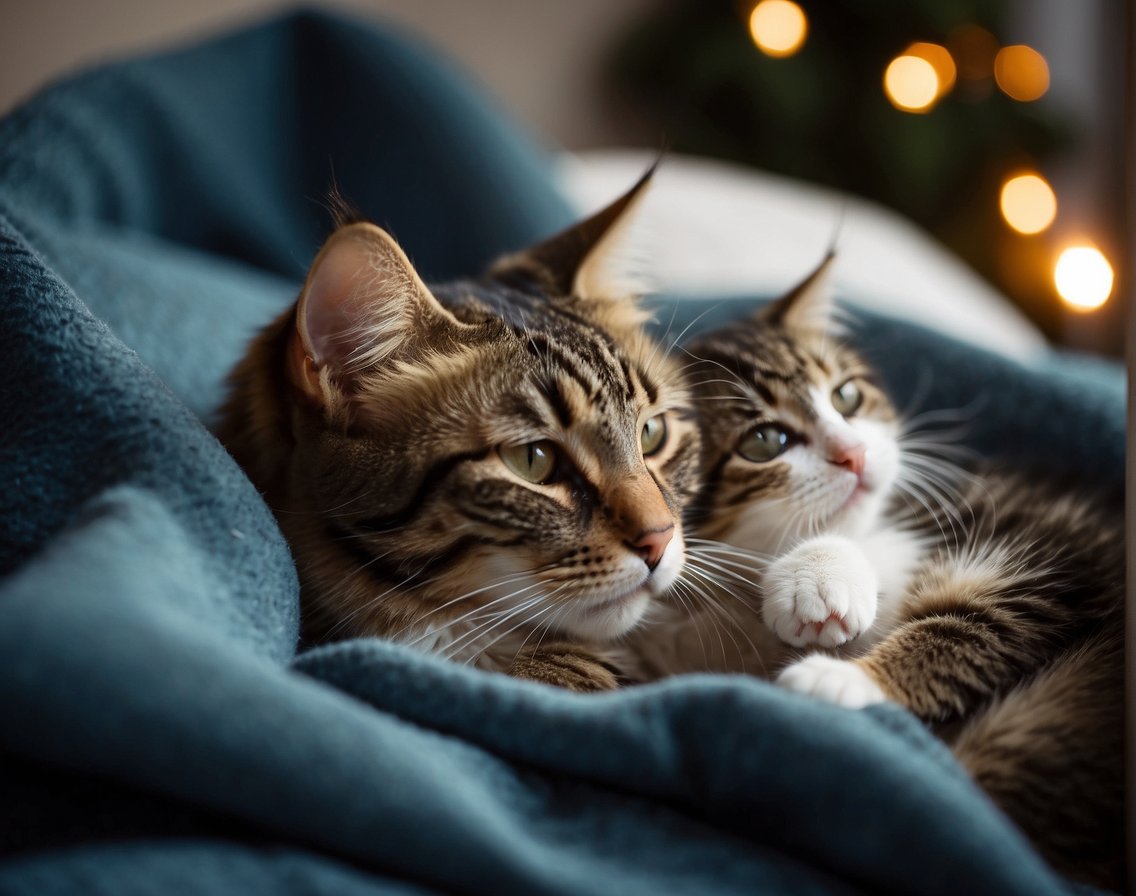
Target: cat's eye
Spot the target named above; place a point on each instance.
(847, 398)
(653, 435)
(533, 461)
(764, 443)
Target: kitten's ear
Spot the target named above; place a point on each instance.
(362, 303)
(588, 260)
(810, 305)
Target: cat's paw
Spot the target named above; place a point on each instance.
(823, 592)
(842, 682)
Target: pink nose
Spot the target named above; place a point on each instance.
(651, 544)
(850, 455)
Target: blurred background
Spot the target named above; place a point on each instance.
(995, 125)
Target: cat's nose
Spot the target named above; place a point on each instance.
(651, 544)
(850, 455)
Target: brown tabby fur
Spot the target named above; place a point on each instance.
(373, 415)
(1008, 638)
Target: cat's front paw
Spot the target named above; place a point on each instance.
(842, 682)
(823, 592)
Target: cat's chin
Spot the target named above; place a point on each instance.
(859, 512)
(610, 617)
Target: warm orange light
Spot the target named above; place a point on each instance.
(941, 61)
(911, 83)
(1028, 203)
(1083, 278)
(1021, 72)
(778, 27)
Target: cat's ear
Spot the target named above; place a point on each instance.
(362, 303)
(810, 305)
(590, 260)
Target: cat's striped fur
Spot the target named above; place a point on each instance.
(989, 604)
(492, 469)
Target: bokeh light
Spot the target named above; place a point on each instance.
(1028, 203)
(1083, 278)
(778, 27)
(941, 61)
(911, 83)
(1021, 72)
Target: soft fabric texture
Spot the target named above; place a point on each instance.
(161, 733)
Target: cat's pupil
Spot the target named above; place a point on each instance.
(653, 435)
(533, 461)
(847, 398)
(764, 443)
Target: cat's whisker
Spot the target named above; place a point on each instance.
(478, 612)
(709, 310)
(346, 619)
(745, 576)
(735, 379)
(526, 620)
(708, 545)
(680, 588)
(544, 627)
(710, 599)
(697, 595)
(467, 639)
(505, 580)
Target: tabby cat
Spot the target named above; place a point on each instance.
(988, 604)
(491, 469)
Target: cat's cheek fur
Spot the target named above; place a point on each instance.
(841, 682)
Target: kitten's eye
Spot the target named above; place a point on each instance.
(533, 461)
(653, 435)
(847, 398)
(764, 443)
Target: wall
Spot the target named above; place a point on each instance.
(540, 58)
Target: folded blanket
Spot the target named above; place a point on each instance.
(161, 733)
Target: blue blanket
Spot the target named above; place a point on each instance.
(162, 735)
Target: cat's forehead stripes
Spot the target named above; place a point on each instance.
(773, 375)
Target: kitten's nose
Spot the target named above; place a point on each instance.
(651, 544)
(850, 455)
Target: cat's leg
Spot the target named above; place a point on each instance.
(567, 665)
(823, 592)
(968, 628)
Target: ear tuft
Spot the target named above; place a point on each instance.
(810, 305)
(589, 260)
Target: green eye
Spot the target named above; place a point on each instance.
(847, 398)
(653, 435)
(533, 461)
(764, 443)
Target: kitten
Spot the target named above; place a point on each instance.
(490, 469)
(989, 605)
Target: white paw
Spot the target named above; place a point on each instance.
(837, 681)
(823, 592)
